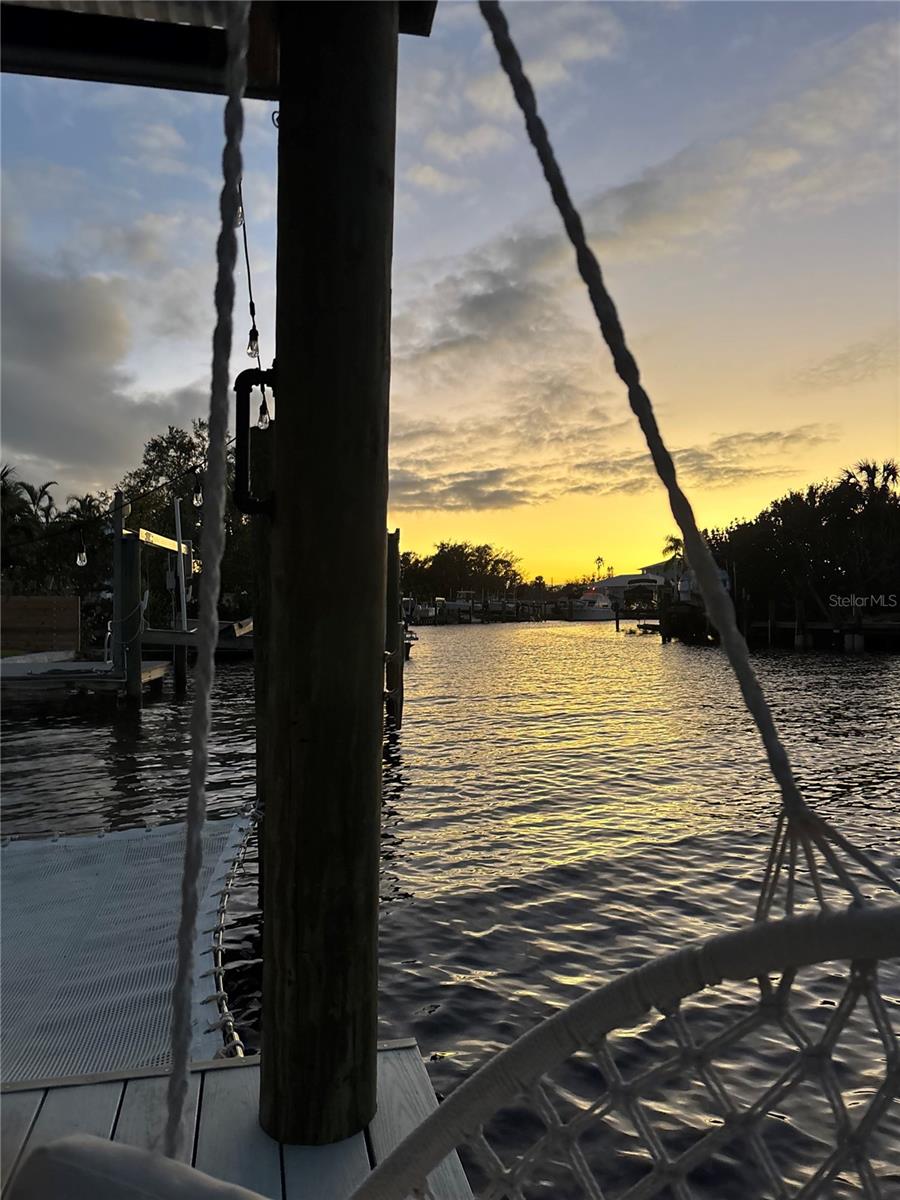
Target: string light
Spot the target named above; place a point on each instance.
(263, 420)
(81, 556)
(197, 498)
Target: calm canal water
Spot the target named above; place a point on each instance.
(562, 802)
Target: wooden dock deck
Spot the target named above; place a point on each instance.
(227, 1141)
(21, 678)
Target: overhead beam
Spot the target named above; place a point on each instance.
(63, 44)
(76, 45)
(157, 539)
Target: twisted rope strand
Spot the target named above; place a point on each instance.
(718, 603)
(212, 546)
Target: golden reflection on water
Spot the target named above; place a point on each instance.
(527, 747)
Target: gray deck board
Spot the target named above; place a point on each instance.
(18, 1113)
(222, 1109)
(142, 1117)
(230, 1143)
(316, 1172)
(405, 1099)
(91, 1109)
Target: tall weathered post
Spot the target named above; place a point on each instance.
(337, 112)
(120, 512)
(132, 617)
(179, 651)
(394, 631)
(261, 451)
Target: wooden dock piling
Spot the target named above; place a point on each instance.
(120, 511)
(261, 448)
(179, 652)
(394, 632)
(130, 557)
(324, 710)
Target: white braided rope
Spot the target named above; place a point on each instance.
(802, 823)
(212, 545)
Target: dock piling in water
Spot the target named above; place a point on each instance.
(324, 708)
(261, 446)
(130, 557)
(394, 632)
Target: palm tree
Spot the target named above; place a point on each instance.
(19, 523)
(12, 491)
(673, 548)
(869, 477)
(13, 501)
(83, 508)
(41, 500)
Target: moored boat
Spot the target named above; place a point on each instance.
(593, 605)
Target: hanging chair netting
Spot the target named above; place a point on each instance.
(755, 1064)
(760, 1063)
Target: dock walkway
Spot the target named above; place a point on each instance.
(227, 1140)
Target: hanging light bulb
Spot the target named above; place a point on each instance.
(81, 556)
(197, 497)
(253, 343)
(262, 421)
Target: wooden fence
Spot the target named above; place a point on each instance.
(29, 624)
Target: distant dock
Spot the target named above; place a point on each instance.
(59, 673)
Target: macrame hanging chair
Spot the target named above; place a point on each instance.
(759, 1063)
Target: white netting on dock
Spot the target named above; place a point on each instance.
(88, 949)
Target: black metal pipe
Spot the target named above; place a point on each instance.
(244, 501)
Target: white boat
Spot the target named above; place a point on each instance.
(593, 605)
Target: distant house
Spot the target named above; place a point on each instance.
(677, 572)
(670, 569)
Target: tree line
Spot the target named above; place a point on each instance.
(459, 566)
(831, 539)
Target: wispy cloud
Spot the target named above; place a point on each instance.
(552, 39)
(157, 138)
(476, 142)
(856, 363)
(431, 179)
(447, 464)
(832, 144)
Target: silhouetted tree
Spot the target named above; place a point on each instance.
(833, 538)
(458, 566)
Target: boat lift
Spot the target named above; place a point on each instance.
(127, 626)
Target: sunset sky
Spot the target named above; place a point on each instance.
(736, 165)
